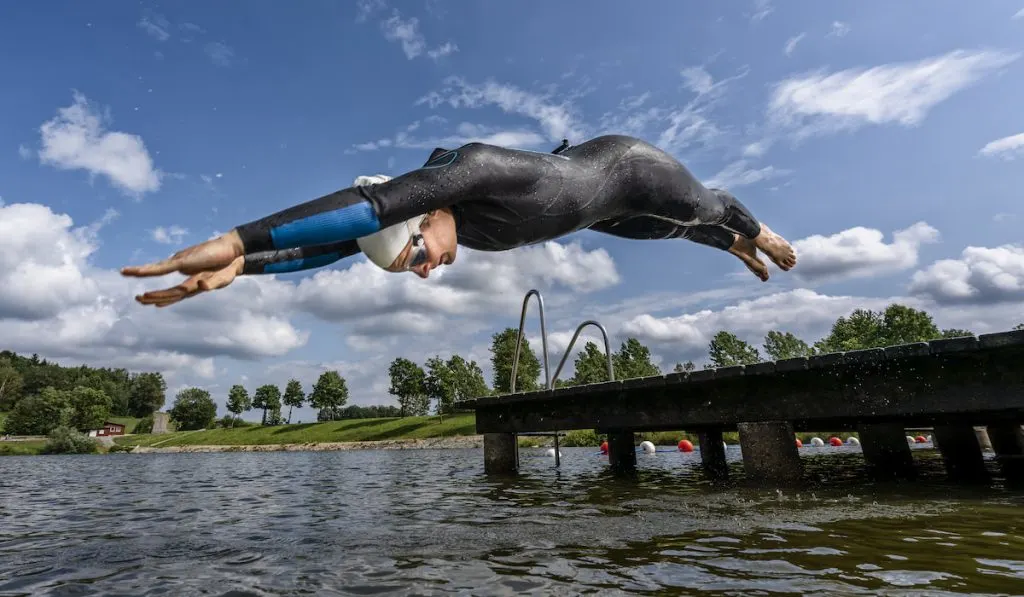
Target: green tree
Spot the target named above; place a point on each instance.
(294, 397)
(10, 385)
(268, 398)
(238, 400)
(684, 367)
(1019, 326)
(727, 350)
(469, 378)
(330, 393)
(778, 346)
(441, 384)
(90, 408)
(591, 366)
(503, 349)
(193, 409)
(408, 384)
(633, 360)
(956, 333)
(897, 324)
(147, 394)
(39, 414)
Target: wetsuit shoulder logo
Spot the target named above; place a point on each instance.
(441, 161)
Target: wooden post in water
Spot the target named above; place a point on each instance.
(712, 454)
(770, 455)
(1008, 444)
(886, 450)
(500, 453)
(961, 452)
(621, 451)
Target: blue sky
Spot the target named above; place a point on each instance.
(880, 138)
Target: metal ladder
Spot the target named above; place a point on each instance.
(549, 381)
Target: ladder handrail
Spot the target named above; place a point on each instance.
(568, 350)
(519, 340)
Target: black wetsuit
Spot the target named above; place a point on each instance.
(506, 198)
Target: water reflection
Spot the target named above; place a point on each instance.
(430, 522)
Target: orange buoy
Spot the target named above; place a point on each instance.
(604, 447)
(835, 441)
(685, 445)
(799, 443)
(920, 439)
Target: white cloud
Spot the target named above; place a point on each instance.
(75, 139)
(697, 79)
(220, 53)
(1018, 15)
(169, 236)
(738, 174)
(557, 120)
(839, 29)
(443, 50)
(859, 252)
(24, 152)
(791, 44)
(982, 275)
(156, 26)
(762, 8)
(56, 302)
(898, 93)
(405, 31)
(1007, 147)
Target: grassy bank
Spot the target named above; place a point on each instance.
(350, 430)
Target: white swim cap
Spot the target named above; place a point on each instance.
(384, 246)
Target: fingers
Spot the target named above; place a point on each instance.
(169, 296)
(158, 268)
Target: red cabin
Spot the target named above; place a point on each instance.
(109, 428)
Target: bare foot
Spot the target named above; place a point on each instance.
(776, 248)
(746, 250)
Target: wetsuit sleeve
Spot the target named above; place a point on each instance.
(297, 259)
(448, 178)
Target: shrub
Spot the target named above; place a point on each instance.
(65, 440)
(145, 424)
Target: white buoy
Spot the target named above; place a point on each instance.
(852, 441)
(725, 446)
(930, 439)
(551, 453)
(910, 439)
(817, 442)
(647, 447)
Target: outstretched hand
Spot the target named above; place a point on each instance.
(210, 265)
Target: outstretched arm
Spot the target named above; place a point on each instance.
(297, 259)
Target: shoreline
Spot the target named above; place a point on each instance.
(436, 443)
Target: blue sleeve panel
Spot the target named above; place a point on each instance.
(349, 222)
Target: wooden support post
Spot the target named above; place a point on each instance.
(1008, 444)
(621, 451)
(961, 452)
(770, 455)
(500, 453)
(712, 454)
(886, 450)
(983, 439)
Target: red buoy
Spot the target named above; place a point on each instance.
(920, 439)
(835, 441)
(604, 447)
(799, 443)
(685, 445)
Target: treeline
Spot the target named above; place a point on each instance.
(40, 395)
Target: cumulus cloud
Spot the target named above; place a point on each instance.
(1008, 148)
(76, 139)
(860, 252)
(982, 275)
(839, 29)
(898, 93)
(55, 301)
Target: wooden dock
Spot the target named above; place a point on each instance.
(949, 385)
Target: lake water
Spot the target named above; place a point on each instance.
(425, 522)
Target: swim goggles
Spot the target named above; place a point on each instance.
(418, 252)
